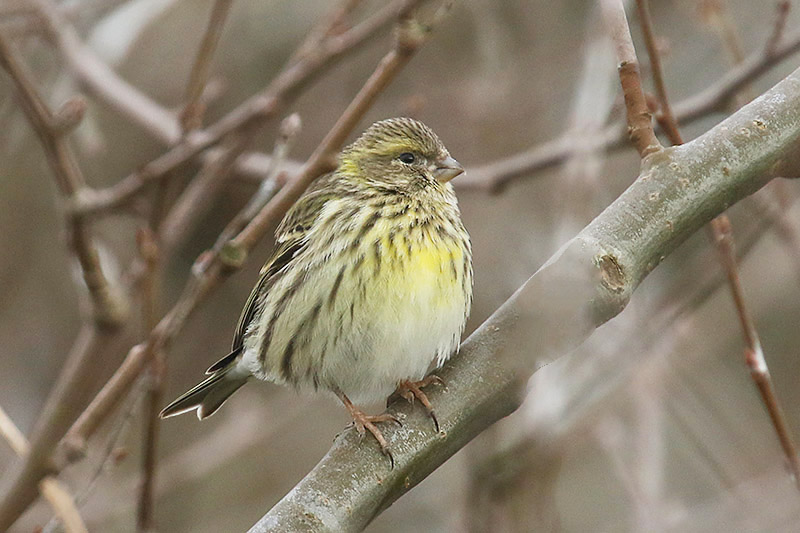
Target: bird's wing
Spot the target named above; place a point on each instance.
(291, 237)
(304, 212)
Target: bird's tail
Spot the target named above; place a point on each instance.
(208, 395)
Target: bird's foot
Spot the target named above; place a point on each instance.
(364, 422)
(412, 390)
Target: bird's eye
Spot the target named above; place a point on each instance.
(406, 157)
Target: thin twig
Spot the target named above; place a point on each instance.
(754, 355)
(154, 380)
(109, 306)
(290, 128)
(254, 111)
(667, 118)
(495, 176)
(111, 454)
(210, 268)
(55, 492)
(640, 124)
(720, 229)
(192, 115)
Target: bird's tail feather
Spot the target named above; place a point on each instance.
(208, 395)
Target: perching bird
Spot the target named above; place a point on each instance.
(370, 285)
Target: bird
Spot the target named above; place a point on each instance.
(369, 287)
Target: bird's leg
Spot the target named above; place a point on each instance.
(364, 422)
(411, 390)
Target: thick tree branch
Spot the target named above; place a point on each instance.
(587, 282)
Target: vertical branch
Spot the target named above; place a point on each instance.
(192, 114)
(667, 121)
(640, 124)
(721, 235)
(154, 381)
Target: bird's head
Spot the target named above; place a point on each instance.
(399, 153)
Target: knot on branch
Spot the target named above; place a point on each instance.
(68, 116)
(612, 275)
(232, 255)
(410, 33)
(111, 307)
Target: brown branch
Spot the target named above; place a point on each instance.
(754, 355)
(192, 115)
(209, 271)
(640, 124)
(720, 229)
(154, 380)
(56, 493)
(101, 81)
(667, 118)
(109, 307)
(494, 176)
(253, 112)
(290, 128)
(195, 201)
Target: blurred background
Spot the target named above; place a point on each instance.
(653, 425)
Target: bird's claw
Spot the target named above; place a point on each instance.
(412, 390)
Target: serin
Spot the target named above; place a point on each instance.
(369, 287)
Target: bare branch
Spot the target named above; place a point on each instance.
(640, 124)
(192, 114)
(108, 305)
(754, 355)
(154, 380)
(101, 81)
(210, 269)
(51, 488)
(255, 111)
(586, 283)
(494, 176)
(721, 235)
(667, 119)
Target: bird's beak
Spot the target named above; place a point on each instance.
(447, 169)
